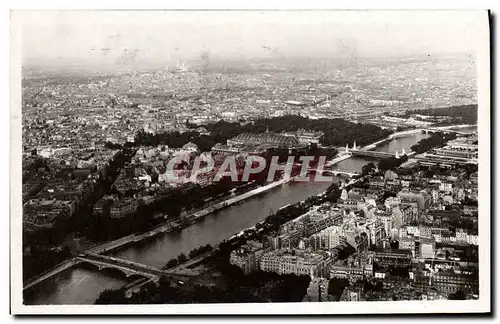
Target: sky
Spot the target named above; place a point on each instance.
(121, 37)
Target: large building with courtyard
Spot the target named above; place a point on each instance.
(261, 143)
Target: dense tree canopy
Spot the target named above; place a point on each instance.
(466, 114)
(435, 140)
(367, 168)
(336, 287)
(337, 132)
(256, 287)
(391, 163)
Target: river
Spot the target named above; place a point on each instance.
(470, 129)
(81, 285)
(78, 285)
(399, 143)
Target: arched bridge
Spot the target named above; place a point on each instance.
(374, 154)
(102, 262)
(340, 172)
(446, 130)
(355, 151)
(124, 267)
(128, 267)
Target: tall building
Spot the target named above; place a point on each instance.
(422, 198)
(393, 257)
(392, 202)
(397, 216)
(394, 234)
(375, 231)
(247, 257)
(326, 239)
(350, 268)
(387, 222)
(294, 261)
(318, 224)
(427, 248)
(408, 243)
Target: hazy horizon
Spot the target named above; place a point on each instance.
(115, 39)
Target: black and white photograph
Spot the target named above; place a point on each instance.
(277, 161)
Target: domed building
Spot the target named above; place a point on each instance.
(190, 147)
(267, 138)
(259, 143)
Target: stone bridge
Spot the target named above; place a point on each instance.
(364, 151)
(443, 130)
(373, 154)
(337, 172)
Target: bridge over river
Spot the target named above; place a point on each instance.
(368, 151)
(85, 285)
(373, 154)
(446, 129)
(336, 172)
(102, 262)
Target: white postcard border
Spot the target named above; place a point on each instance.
(481, 305)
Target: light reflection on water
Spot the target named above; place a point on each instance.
(82, 285)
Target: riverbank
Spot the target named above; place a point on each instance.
(191, 267)
(186, 221)
(211, 229)
(413, 131)
(193, 217)
(190, 219)
(170, 226)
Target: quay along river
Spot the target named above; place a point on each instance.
(82, 285)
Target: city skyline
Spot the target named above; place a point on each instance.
(105, 38)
